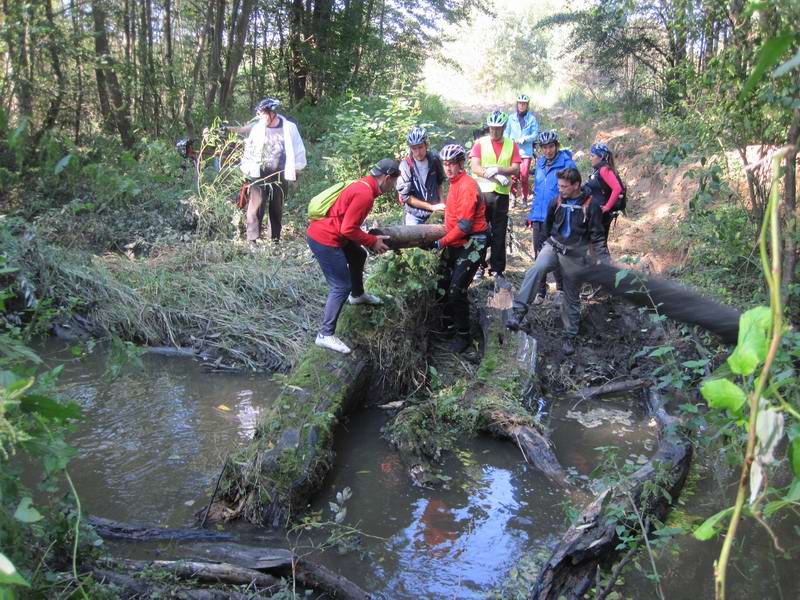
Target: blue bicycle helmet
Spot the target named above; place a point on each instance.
(547, 137)
(600, 149)
(267, 105)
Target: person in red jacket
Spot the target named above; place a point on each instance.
(338, 244)
(464, 243)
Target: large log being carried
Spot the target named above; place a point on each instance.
(410, 236)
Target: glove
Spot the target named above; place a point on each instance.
(489, 172)
(403, 187)
(502, 179)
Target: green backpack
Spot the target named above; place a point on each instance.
(320, 204)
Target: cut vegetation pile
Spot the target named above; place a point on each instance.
(243, 309)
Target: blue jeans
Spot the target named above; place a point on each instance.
(412, 219)
(344, 271)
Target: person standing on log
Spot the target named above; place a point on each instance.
(494, 159)
(522, 127)
(421, 177)
(273, 154)
(338, 244)
(604, 184)
(552, 160)
(574, 223)
(464, 244)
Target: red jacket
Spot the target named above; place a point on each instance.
(343, 221)
(464, 213)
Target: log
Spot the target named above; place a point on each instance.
(410, 236)
(208, 572)
(612, 387)
(591, 541)
(669, 298)
(116, 530)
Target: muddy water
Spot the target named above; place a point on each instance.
(152, 440)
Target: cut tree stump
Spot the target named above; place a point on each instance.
(591, 541)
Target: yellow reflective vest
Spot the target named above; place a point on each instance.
(488, 159)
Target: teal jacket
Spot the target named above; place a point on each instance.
(526, 130)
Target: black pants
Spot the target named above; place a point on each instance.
(457, 269)
(266, 193)
(539, 236)
(497, 216)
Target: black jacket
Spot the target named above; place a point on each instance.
(585, 225)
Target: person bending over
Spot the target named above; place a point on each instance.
(338, 244)
(464, 243)
(573, 224)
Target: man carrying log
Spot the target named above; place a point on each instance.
(464, 243)
(573, 223)
(338, 244)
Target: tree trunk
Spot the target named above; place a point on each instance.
(790, 212)
(188, 102)
(410, 236)
(77, 31)
(298, 66)
(107, 77)
(55, 62)
(214, 65)
(235, 54)
(169, 64)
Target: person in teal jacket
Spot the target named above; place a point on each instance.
(551, 160)
(522, 127)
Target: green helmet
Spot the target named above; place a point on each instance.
(497, 119)
(524, 98)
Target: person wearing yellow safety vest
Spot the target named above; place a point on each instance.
(494, 159)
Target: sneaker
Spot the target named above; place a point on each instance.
(479, 274)
(558, 297)
(364, 299)
(567, 347)
(331, 342)
(514, 320)
(460, 343)
(538, 300)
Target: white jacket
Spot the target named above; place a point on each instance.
(293, 145)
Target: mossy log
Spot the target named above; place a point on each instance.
(591, 542)
(507, 375)
(116, 530)
(271, 479)
(410, 236)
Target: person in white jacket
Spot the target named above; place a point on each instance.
(273, 154)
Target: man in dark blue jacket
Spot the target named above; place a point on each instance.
(573, 224)
(551, 160)
(419, 186)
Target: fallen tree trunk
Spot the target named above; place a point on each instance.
(116, 530)
(667, 297)
(612, 387)
(410, 236)
(291, 452)
(592, 540)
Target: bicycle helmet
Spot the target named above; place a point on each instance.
(416, 136)
(497, 119)
(547, 137)
(524, 98)
(453, 152)
(267, 105)
(600, 149)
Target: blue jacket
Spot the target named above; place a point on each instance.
(545, 187)
(526, 130)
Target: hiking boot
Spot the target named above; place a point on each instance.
(364, 299)
(515, 319)
(538, 300)
(460, 343)
(331, 342)
(558, 297)
(567, 347)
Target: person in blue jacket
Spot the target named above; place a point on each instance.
(552, 159)
(522, 127)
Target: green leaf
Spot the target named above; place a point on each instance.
(723, 394)
(711, 526)
(49, 408)
(9, 574)
(794, 456)
(789, 65)
(25, 512)
(660, 351)
(751, 348)
(621, 274)
(769, 54)
(62, 164)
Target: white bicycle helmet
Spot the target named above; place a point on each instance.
(547, 137)
(417, 135)
(524, 98)
(452, 152)
(497, 119)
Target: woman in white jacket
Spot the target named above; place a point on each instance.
(273, 154)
